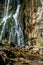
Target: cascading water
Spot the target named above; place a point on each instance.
(18, 32)
(5, 18)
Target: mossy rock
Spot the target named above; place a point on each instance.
(10, 19)
(5, 42)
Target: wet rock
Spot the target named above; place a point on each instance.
(9, 54)
(12, 44)
(1, 44)
(26, 47)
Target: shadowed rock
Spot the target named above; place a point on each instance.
(2, 61)
(1, 44)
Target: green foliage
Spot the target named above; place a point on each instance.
(0, 27)
(0, 24)
(0, 20)
(10, 23)
(5, 42)
(10, 19)
(41, 44)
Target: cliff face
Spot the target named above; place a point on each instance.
(27, 19)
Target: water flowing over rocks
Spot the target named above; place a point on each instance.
(15, 31)
(21, 32)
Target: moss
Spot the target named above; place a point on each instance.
(0, 27)
(1, 13)
(0, 24)
(5, 42)
(10, 19)
(10, 23)
(0, 20)
(41, 44)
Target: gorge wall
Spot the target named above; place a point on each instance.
(33, 30)
(28, 17)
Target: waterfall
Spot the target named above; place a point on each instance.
(18, 31)
(5, 18)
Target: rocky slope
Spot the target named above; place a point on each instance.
(26, 55)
